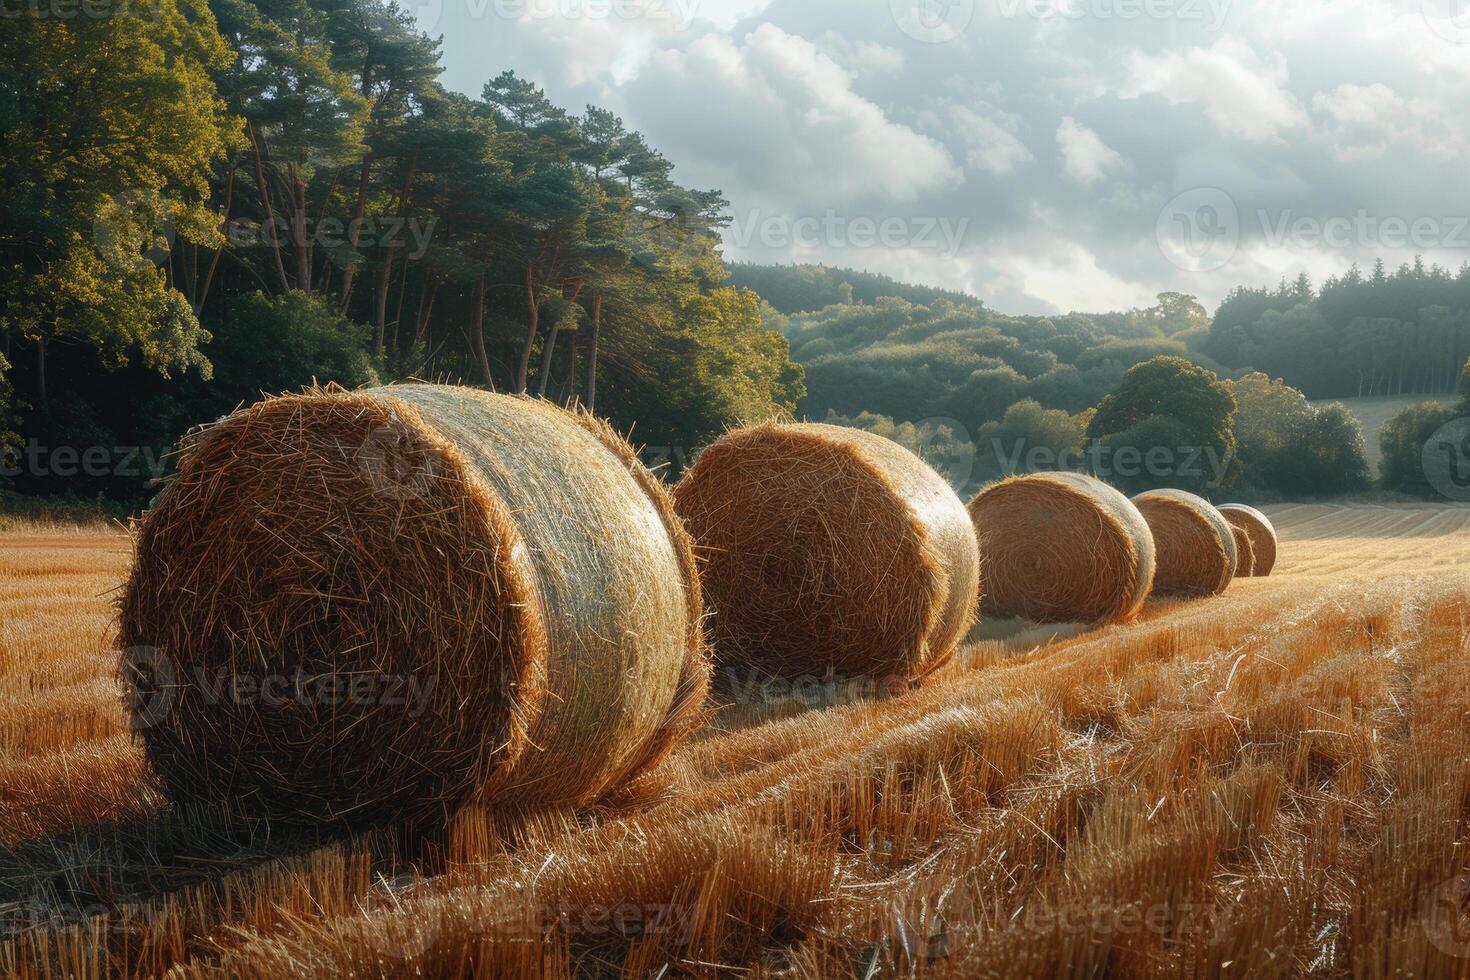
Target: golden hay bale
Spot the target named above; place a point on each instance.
(391, 602)
(1245, 552)
(1060, 548)
(1262, 536)
(1193, 546)
(826, 549)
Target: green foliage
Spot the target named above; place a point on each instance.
(942, 446)
(1289, 447)
(1197, 409)
(1029, 438)
(111, 126)
(1402, 439)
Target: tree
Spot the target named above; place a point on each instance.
(1290, 447)
(1402, 440)
(1199, 405)
(112, 126)
(1177, 313)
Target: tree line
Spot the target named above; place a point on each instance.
(207, 199)
(1384, 333)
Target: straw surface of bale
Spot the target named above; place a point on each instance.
(1194, 548)
(1262, 536)
(1245, 551)
(508, 587)
(1060, 548)
(826, 549)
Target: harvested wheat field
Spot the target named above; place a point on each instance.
(1269, 782)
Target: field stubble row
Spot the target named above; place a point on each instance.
(1271, 781)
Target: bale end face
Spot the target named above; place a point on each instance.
(1062, 547)
(1194, 546)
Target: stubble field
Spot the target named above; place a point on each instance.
(1268, 783)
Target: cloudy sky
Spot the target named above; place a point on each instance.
(1046, 155)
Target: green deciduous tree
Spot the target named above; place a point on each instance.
(1198, 409)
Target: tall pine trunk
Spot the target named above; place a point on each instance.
(533, 315)
(354, 230)
(265, 204)
(592, 353)
(477, 335)
(385, 278)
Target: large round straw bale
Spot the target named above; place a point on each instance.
(1194, 547)
(1062, 548)
(389, 603)
(829, 550)
(1262, 536)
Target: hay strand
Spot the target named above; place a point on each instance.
(498, 596)
(1061, 547)
(1193, 545)
(829, 551)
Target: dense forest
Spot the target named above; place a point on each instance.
(1384, 333)
(207, 199)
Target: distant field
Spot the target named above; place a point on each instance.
(1272, 782)
(1374, 412)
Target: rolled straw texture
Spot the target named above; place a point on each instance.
(1194, 547)
(827, 550)
(1061, 547)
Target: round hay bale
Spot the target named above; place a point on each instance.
(1262, 534)
(389, 603)
(1062, 548)
(829, 551)
(1194, 547)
